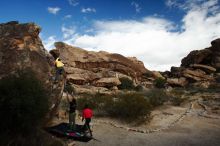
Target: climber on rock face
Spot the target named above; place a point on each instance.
(59, 68)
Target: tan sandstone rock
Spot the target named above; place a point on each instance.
(98, 69)
(177, 81)
(206, 68)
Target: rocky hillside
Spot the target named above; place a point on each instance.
(199, 68)
(100, 71)
(20, 49)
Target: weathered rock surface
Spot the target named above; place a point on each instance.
(108, 82)
(177, 81)
(197, 57)
(206, 68)
(208, 56)
(197, 75)
(21, 48)
(199, 67)
(98, 69)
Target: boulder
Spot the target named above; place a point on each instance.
(55, 53)
(75, 79)
(20, 49)
(206, 68)
(181, 82)
(196, 75)
(215, 53)
(202, 84)
(199, 67)
(208, 56)
(215, 45)
(176, 71)
(85, 89)
(148, 84)
(197, 57)
(108, 82)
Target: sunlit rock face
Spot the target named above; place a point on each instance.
(98, 69)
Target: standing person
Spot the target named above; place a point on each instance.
(59, 68)
(87, 115)
(72, 112)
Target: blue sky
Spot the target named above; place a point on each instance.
(70, 14)
(158, 32)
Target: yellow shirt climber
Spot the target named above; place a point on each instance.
(58, 63)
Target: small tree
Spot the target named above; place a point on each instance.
(159, 83)
(157, 97)
(132, 107)
(126, 83)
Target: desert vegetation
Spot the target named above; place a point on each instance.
(159, 82)
(126, 84)
(24, 104)
(129, 106)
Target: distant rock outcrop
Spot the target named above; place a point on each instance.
(20, 49)
(199, 67)
(89, 69)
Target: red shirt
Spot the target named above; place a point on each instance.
(87, 113)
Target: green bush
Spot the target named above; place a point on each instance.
(69, 89)
(126, 107)
(86, 99)
(126, 83)
(157, 97)
(130, 107)
(159, 82)
(23, 104)
(176, 96)
(139, 88)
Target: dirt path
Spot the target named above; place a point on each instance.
(189, 132)
(173, 126)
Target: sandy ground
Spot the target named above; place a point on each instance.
(191, 131)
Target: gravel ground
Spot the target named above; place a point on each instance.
(191, 131)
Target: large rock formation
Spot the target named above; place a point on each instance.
(98, 69)
(199, 67)
(20, 49)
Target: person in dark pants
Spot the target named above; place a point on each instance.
(72, 114)
(87, 116)
(72, 106)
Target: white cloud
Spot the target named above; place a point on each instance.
(49, 42)
(152, 39)
(88, 10)
(210, 5)
(67, 16)
(136, 6)
(73, 2)
(171, 3)
(53, 10)
(67, 31)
